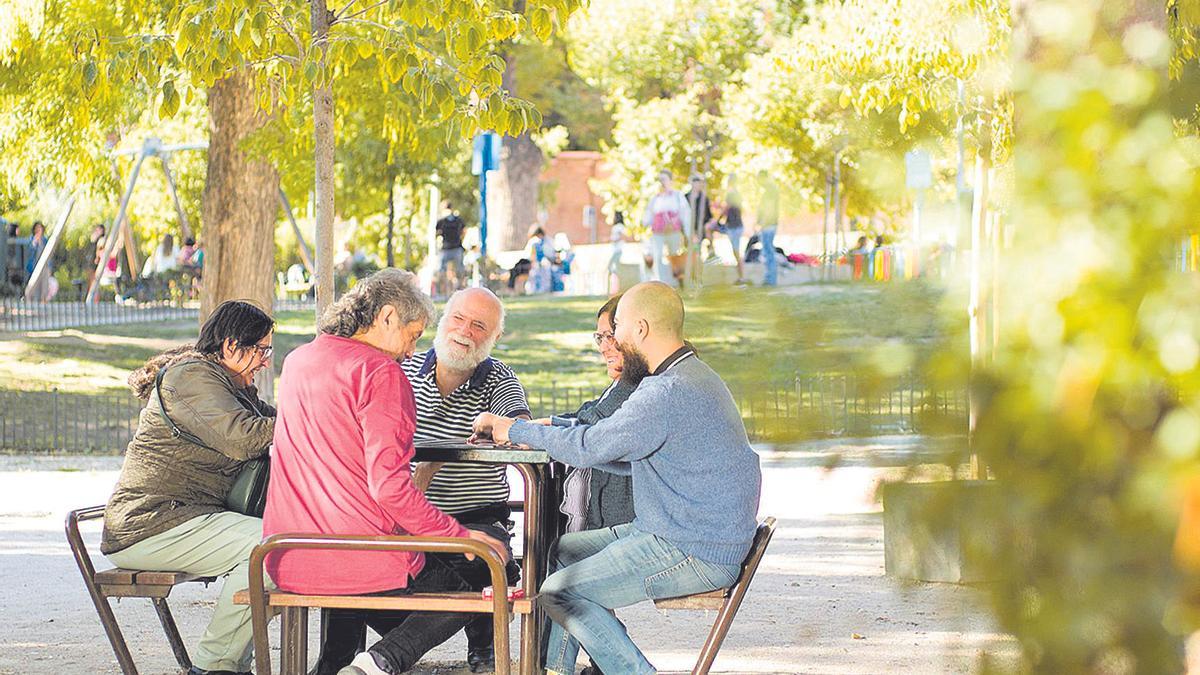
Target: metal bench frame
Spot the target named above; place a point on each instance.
(726, 601)
(123, 583)
(294, 628)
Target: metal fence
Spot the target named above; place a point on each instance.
(807, 407)
(18, 315)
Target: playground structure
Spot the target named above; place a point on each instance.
(122, 232)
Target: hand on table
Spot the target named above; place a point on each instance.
(488, 425)
(495, 544)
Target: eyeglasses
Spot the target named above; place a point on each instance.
(601, 338)
(264, 351)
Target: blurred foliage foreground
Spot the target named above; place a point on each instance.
(1090, 409)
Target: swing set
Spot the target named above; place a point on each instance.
(122, 232)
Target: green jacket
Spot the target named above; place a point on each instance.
(167, 480)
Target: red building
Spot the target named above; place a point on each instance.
(572, 207)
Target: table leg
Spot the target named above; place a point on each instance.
(534, 563)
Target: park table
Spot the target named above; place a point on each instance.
(540, 522)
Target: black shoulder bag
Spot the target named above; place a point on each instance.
(248, 495)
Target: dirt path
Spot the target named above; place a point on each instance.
(820, 602)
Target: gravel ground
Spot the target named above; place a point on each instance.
(819, 604)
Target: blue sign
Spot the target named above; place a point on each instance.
(486, 155)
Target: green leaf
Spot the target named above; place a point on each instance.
(89, 77)
(170, 100)
(394, 67)
(460, 46)
(541, 23)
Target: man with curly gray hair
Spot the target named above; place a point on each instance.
(358, 309)
(341, 464)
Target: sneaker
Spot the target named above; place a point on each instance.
(481, 659)
(363, 664)
(200, 671)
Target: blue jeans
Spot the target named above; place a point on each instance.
(597, 571)
(770, 262)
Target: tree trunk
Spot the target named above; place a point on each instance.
(513, 190)
(513, 193)
(323, 159)
(391, 228)
(414, 205)
(240, 203)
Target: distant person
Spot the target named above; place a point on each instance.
(47, 287)
(540, 252)
(198, 255)
(97, 240)
(768, 220)
(37, 246)
(450, 229)
(616, 237)
(702, 220)
(350, 257)
(564, 255)
(732, 226)
(164, 259)
(186, 253)
(668, 217)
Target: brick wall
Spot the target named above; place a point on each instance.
(566, 176)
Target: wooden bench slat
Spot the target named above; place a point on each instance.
(168, 578)
(116, 575)
(119, 576)
(710, 600)
(135, 591)
(433, 602)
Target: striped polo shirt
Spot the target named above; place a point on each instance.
(494, 388)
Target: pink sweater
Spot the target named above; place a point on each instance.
(340, 465)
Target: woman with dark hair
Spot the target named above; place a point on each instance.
(168, 510)
(37, 244)
(593, 498)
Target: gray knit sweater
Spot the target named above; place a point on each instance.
(696, 481)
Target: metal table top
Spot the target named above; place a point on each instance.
(460, 450)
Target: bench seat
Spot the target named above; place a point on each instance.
(126, 583)
(710, 600)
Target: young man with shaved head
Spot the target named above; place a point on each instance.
(696, 485)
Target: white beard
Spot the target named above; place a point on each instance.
(451, 354)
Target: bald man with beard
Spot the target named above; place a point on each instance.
(696, 486)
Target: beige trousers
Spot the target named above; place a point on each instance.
(214, 545)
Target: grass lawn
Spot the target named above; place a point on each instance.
(750, 336)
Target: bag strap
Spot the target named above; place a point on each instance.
(162, 410)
